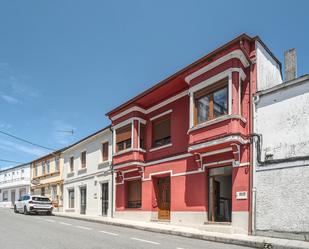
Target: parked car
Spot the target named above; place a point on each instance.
(33, 204)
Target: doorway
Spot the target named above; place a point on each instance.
(13, 197)
(104, 198)
(164, 198)
(83, 200)
(220, 194)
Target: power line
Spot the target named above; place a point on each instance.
(9, 161)
(26, 141)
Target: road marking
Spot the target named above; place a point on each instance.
(82, 227)
(49, 220)
(146, 241)
(114, 234)
(66, 224)
(179, 248)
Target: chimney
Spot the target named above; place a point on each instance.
(290, 63)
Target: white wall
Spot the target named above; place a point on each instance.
(282, 189)
(96, 173)
(14, 180)
(268, 70)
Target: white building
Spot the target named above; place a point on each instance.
(88, 183)
(281, 173)
(14, 182)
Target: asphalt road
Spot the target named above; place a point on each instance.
(18, 231)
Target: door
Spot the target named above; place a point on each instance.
(83, 200)
(104, 199)
(164, 193)
(13, 197)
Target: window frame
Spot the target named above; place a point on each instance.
(138, 205)
(83, 159)
(69, 198)
(124, 142)
(210, 91)
(160, 120)
(71, 162)
(105, 159)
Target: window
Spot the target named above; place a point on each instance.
(43, 168)
(54, 192)
(57, 162)
(71, 198)
(83, 159)
(134, 194)
(5, 195)
(105, 151)
(22, 171)
(123, 138)
(161, 131)
(211, 102)
(35, 170)
(142, 136)
(43, 191)
(71, 164)
(47, 167)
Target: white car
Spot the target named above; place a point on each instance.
(33, 204)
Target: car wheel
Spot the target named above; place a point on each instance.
(25, 210)
(15, 209)
(49, 213)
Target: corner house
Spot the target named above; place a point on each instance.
(87, 175)
(14, 183)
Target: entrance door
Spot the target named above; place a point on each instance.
(13, 197)
(164, 202)
(83, 200)
(220, 194)
(104, 198)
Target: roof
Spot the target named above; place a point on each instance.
(196, 63)
(286, 84)
(14, 167)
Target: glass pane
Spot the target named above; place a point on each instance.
(203, 109)
(220, 102)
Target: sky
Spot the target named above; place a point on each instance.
(65, 63)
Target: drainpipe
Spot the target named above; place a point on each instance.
(112, 172)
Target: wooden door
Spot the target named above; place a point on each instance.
(164, 203)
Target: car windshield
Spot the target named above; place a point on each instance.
(40, 199)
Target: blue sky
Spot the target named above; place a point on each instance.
(64, 64)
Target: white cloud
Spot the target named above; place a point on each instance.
(18, 147)
(9, 99)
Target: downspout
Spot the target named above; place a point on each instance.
(250, 131)
(112, 172)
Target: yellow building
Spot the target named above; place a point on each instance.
(46, 178)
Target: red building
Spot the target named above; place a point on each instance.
(182, 149)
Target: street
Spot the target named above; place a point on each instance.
(18, 231)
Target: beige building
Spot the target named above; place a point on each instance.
(46, 178)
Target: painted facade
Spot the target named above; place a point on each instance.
(184, 146)
(281, 175)
(47, 178)
(14, 183)
(88, 183)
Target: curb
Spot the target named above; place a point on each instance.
(239, 242)
(267, 244)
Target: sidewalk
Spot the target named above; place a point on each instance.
(236, 239)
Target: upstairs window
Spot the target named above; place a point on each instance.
(142, 136)
(57, 162)
(105, 151)
(83, 159)
(161, 131)
(71, 164)
(211, 102)
(43, 168)
(123, 138)
(47, 167)
(35, 170)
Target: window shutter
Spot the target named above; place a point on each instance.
(161, 129)
(105, 151)
(123, 133)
